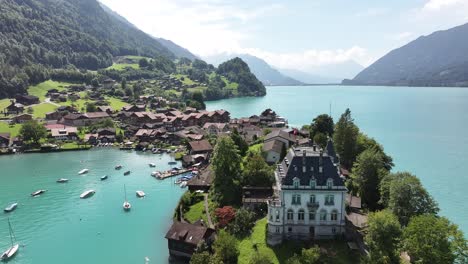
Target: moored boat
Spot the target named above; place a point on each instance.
(87, 194)
(183, 184)
(156, 173)
(127, 173)
(118, 167)
(62, 180)
(37, 193)
(152, 165)
(172, 162)
(103, 178)
(140, 194)
(10, 208)
(83, 171)
(126, 205)
(11, 251)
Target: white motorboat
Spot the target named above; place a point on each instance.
(140, 194)
(83, 171)
(10, 208)
(62, 180)
(37, 193)
(103, 178)
(118, 167)
(126, 205)
(152, 165)
(183, 184)
(155, 173)
(10, 252)
(87, 194)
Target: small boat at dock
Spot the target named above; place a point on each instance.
(62, 180)
(118, 167)
(172, 162)
(127, 173)
(10, 208)
(126, 205)
(83, 171)
(87, 194)
(140, 194)
(152, 165)
(37, 193)
(105, 177)
(183, 184)
(10, 252)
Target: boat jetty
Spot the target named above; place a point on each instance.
(170, 173)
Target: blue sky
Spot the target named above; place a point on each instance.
(300, 34)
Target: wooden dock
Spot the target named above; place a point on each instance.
(169, 174)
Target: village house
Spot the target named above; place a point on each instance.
(202, 181)
(20, 119)
(309, 198)
(288, 138)
(106, 135)
(86, 119)
(272, 150)
(200, 147)
(108, 83)
(105, 108)
(184, 238)
(216, 128)
(14, 108)
(64, 133)
(27, 99)
(254, 198)
(5, 139)
(134, 108)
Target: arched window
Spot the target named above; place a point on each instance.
(300, 215)
(311, 215)
(312, 199)
(290, 215)
(334, 215)
(323, 215)
(329, 183)
(277, 216)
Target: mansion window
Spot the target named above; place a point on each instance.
(290, 215)
(277, 216)
(323, 215)
(312, 199)
(296, 183)
(334, 215)
(329, 199)
(277, 229)
(296, 199)
(329, 183)
(311, 216)
(300, 215)
(313, 183)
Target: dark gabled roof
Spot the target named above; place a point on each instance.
(202, 145)
(204, 178)
(331, 150)
(188, 233)
(282, 134)
(6, 135)
(273, 145)
(292, 167)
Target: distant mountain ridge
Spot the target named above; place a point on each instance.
(263, 71)
(440, 59)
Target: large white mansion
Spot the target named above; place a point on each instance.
(309, 199)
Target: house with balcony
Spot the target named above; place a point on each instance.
(309, 197)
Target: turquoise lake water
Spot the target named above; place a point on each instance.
(59, 227)
(425, 130)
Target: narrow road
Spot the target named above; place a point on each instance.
(208, 215)
(47, 100)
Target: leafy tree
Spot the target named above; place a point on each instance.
(124, 83)
(345, 139)
(197, 101)
(364, 142)
(307, 256)
(383, 237)
(95, 82)
(366, 175)
(119, 137)
(236, 70)
(243, 223)
(226, 167)
(91, 107)
(30, 110)
(200, 258)
(322, 124)
(128, 91)
(226, 247)
(225, 215)
(242, 146)
(405, 196)
(33, 131)
(432, 239)
(143, 63)
(321, 139)
(284, 152)
(257, 172)
(260, 258)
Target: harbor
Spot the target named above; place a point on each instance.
(97, 225)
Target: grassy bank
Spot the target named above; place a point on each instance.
(13, 130)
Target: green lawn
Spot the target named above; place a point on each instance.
(41, 89)
(14, 130)
(186, 80)
(4, 103)
(116, 103)
(336, 251)
(79, 104)
(122, 66)
(137, 58)
(41, 110)
(197, 89)
(72, 145)
(196, 212)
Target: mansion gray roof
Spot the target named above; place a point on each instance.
(304, 163)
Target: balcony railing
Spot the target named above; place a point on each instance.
(328, 203)
(313, 205)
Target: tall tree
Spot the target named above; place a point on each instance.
(431, 239)
(383, 237)
(226, 247)
(405, 196)
(368, 171)
(322, 124)
(33, 131)
(364, 142)
(242, 146)
(345, 139)
(307, 256)
(257, 172)
(226, 167)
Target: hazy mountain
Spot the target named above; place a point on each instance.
(177, 50)
(440, 59)
(310, 78)
(264, 72)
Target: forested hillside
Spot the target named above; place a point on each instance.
(37, 36)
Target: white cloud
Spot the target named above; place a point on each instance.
(402, 36)
(440, 4)
(372, 12)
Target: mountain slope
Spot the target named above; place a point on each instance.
(262, 70)
(40, 34)
(440, 59)
(177, 50)
(310, 78)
